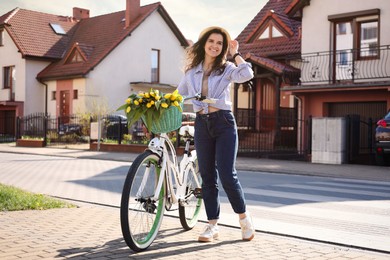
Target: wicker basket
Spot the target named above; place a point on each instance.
(169, 121)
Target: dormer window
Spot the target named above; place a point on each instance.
(57, 29)
(271, 32)
(75, 57)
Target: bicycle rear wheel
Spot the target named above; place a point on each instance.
(189, 208)
(141, 214)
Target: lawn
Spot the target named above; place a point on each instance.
(12, 198)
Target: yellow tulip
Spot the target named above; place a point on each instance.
(148, 105)
(157, 97)
(147, 95)
(140, 100)
(128, 101)
(164, 105)
(180, 98)
(141, 94)
(168, 96)
(151, 102)
(128, 109)
(152, 93)
(173, 97)
(176, 103)
(136, 102)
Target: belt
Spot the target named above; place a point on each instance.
(215, 114)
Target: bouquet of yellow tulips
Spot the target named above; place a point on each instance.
(160, 112)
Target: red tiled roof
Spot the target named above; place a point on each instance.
(102, 34)
(296, 6)
(94, 37)
(33, 35)
(276, 47)
(270, 64)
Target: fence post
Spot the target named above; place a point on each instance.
(370, 141)
(17, 128)
(45, 122)
(177, 143)
(120, 130)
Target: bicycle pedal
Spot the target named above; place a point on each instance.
(198, 193)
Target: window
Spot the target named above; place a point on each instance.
(342, 28)
(57, 28)
(155, 66)
(368, 39)
(75, 94)
(9, 80)
(343, 58)
(357, 30)
(1, 37)
(75, 57)
(271, 32)
(265, 34)
(53, 95)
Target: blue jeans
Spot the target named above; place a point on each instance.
(216, 144)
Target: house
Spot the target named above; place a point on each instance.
(313, 59)
(344, 66)
(65, 65)
(265, 116)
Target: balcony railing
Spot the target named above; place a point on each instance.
(344, 66)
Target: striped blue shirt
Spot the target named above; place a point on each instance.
(218, 84)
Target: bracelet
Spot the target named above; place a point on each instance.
(236, 54)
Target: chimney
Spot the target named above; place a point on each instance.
(133, 9)
(80, 13)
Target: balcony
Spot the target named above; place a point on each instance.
(344, 67)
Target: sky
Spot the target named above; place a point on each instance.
(190, 16)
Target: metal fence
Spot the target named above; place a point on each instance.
(352, 65)
(65, 129)
(77, 129)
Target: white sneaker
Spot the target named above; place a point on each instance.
(247, 228)
(209, 234)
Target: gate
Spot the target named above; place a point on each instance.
(360, 140)
(272, 137)
(7, 126)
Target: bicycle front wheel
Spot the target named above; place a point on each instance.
(141, 211)
(190, 207)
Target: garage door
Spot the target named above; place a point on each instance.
(366, 110)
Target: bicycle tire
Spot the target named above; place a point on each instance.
(140, 216)
(189, 209)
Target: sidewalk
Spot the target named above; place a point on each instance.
(93, 232)
(348, 171)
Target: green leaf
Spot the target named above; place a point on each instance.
(123, 107)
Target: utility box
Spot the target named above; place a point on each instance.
(329, 140)
(96, 130)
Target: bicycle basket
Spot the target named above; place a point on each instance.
(169, 121)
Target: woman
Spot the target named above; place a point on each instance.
(216, 140)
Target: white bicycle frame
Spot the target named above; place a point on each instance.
(163, 147)
(170, 167)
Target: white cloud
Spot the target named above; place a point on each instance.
(189, 15)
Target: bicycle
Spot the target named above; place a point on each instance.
(156, 182)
